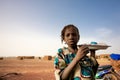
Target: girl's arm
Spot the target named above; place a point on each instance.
(82, 51)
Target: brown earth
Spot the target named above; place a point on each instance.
(30, 69)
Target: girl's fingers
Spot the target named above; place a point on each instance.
(84, 49)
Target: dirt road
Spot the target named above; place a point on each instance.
(30, 69)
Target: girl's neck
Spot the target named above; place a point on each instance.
(73, 49)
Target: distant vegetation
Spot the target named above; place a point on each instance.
(48, 57)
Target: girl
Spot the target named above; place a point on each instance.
(72, 62)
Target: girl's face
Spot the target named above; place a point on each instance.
(71, 37)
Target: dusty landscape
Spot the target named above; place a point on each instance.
(30, 69)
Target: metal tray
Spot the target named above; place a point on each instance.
(95, 46)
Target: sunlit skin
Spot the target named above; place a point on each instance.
(71, 38)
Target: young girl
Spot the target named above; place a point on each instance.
(72, 62)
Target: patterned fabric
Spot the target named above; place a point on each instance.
(83, 70)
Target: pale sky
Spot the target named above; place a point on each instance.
(33, 27)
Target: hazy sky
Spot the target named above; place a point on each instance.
(32, 27)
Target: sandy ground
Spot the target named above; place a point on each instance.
(34, 69)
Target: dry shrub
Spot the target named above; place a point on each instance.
(106, 56)
(25, 57)
(1, 58)
(47, 58)
(39, 57)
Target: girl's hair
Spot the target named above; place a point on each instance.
(67, 27)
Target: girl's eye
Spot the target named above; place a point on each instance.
(67, 35)
(73, 34)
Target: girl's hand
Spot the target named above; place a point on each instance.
(82, 51)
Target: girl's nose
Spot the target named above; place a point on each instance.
(71, 36)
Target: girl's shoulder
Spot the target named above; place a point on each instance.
(65, 54)
(63, 51)
(60, 54)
